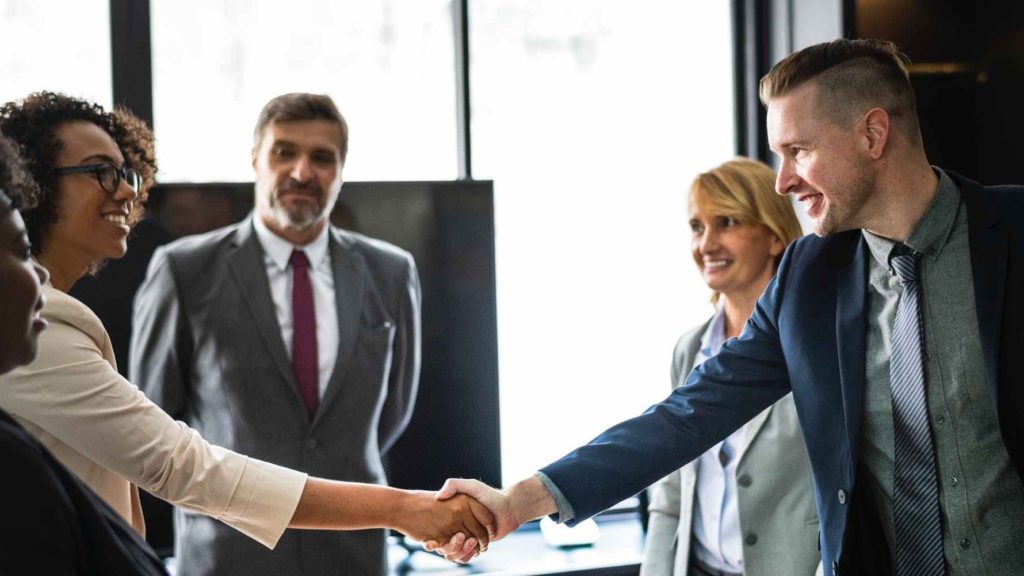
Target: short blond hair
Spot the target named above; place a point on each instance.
(745, 189)
(852, 76)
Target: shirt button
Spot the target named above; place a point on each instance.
(940, 419)
(311, 443)
(965, 543)
(750, 540)
(744, 480)
(955, 480)
(842, 496)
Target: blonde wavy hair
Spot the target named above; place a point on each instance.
(745, 190)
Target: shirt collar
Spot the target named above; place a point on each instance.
(931, 233)
(714, 335)
(280, 250)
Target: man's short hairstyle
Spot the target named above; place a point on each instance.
(852, 77)
(32, 125)
(745, 190)
(18, 190)
(299, 106)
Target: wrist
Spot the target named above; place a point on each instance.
(529, 499)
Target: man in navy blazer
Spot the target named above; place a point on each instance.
(842, 120)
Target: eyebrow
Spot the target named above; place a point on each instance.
(102, 158)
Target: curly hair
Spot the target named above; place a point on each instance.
(32, 124)
(18, 190)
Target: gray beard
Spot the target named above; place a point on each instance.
(294, 221)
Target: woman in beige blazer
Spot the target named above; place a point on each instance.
(94, 169)
(746, 506)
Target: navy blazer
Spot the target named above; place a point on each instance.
(808, 335)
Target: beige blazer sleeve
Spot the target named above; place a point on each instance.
(105, 430)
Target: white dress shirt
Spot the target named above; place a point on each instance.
(716, 518)
(276, 253)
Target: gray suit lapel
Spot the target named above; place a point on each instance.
(752, 429)
(350, 274)
(250, 274)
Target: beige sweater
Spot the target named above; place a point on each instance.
(105, 430)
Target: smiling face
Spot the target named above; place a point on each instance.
(735, 258)
(298, 177)
(21, 298)
(821, 162)
(92, 224)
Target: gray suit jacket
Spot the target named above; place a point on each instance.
(776, 501)
(208, 349)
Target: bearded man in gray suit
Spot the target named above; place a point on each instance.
(286, 339)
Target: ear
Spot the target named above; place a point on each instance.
(254, 157)
(875, 125)
(777, 246)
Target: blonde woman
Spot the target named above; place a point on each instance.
(746, 506)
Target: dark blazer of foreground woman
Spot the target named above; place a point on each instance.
(50, 523)
(808, 336)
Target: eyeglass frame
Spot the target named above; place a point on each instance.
(120, 174)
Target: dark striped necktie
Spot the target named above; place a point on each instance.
(916, 491)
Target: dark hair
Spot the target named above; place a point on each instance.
(32, 125)
(852, 76)
(299, 106)
(18, 190)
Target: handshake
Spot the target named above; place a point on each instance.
(461, 520)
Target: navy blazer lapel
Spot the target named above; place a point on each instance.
(851, 335)
(350, 273)
(989, 243)
(250, 274)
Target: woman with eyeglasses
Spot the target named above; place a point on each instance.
(94, 169)
(51, 523)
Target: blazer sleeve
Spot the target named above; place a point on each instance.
(161, 346)
(75, 395)
(746, 376)
(403, 379)
(660, 546)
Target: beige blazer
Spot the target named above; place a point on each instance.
(778, 519)
(102, 428)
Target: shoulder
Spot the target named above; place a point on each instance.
(25, 461)
(379, 255)
(200, 244)
(64, 310)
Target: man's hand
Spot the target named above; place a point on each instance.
(458, 519)
(524, 501)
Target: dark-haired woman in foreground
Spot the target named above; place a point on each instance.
(94, 169)
(51, 523)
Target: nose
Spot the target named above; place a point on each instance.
(708, 240)
(787, 179)
(41, 272)
(125, 193)
(302, 170)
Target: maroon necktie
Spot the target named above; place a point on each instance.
(304, 358)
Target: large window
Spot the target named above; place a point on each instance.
(57, 45)
(388, 65)
(592, 117)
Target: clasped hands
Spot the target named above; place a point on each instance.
(504, 511)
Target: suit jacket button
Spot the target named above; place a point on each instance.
(745, 480)
(311, 443)
(842, 496)
(750, 540)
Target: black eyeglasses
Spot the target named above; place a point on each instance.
(107, 175)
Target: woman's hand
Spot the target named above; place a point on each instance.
(425, 518)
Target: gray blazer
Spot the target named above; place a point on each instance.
(208, 349)
(776, 501)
